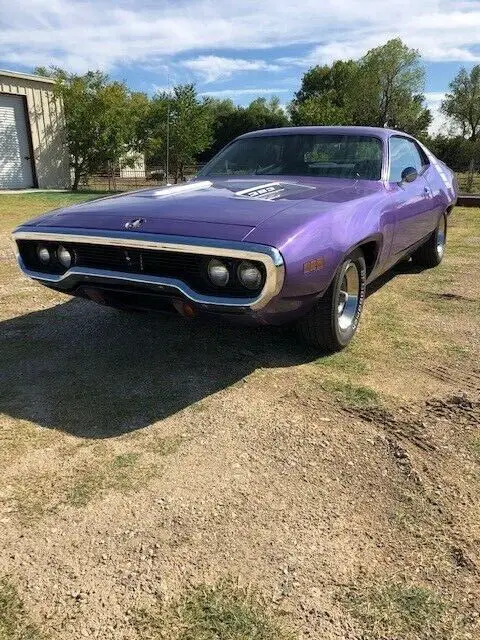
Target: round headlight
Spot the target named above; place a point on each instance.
(249, 275)
(218, 273)
(43, 254)
(64, 257)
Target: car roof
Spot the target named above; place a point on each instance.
(378, 132)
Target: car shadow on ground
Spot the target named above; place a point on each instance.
(95, 372)
(405, 267)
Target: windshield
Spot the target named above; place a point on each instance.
(322, 155)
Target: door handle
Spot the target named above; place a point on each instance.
(427, 190)
(26, 157)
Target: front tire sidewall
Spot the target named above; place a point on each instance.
(343, 336)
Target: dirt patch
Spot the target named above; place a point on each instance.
(456, 407)
(447, 295)
(465, 376)
(462, 559)
(406, 423)
(403, 424)
(418, 425)
(78, 476)
(146, 462)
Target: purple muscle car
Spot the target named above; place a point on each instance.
(283, 225)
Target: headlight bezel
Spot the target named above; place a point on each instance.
(235, 282)
(56, 263)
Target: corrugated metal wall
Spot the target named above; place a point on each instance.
(47, 129)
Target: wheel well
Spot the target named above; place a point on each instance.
(370, 252)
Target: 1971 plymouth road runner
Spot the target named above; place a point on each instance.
(283, 225)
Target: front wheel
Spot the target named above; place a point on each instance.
(431, 252)
(333, 320)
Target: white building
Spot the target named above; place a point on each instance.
(32, 134)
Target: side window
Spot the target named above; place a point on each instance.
(423, 156)
(403, 153)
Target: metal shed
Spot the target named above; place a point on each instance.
(32, 134)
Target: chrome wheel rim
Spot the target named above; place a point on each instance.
(348, 297)
(441, 235)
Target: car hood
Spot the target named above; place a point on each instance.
(227, 209)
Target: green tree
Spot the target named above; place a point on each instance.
(103, 119)
(319, 110)
(462, 103)
(189, 130)
(266, 114)
(223, 117)
(389, 88)
(326, 95)
(384, 88)
(230, 121)
(457, 152)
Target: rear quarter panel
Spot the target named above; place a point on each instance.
(442, 182)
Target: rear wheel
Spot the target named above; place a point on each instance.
(333, 321)
(430, 254)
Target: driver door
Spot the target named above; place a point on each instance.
(412, 201)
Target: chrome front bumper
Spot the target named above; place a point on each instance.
(269, 256)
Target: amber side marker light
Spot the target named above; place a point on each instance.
(185, 309)
(314, 265)
(189, 311)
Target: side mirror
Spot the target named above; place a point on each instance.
(409, 174)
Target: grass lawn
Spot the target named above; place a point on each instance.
(463, 182)
(172, 479)
(16, 208)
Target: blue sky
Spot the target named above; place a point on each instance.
(232, 48)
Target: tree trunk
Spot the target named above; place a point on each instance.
(76, 178)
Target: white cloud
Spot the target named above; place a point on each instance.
(434, 45)
(81, 34)
(212, 68)
(434, 97)
(162, 88)
(439, 121)
(232, 93)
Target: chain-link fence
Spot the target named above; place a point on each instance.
(468, 182)
(129, 179)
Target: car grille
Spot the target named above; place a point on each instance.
(187, 267)
(151, 262)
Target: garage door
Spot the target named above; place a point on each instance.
(15, 161)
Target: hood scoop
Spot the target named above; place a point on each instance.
(175, 190)
(272, 190)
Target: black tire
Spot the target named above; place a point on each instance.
(431, 253)
(324, 326)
